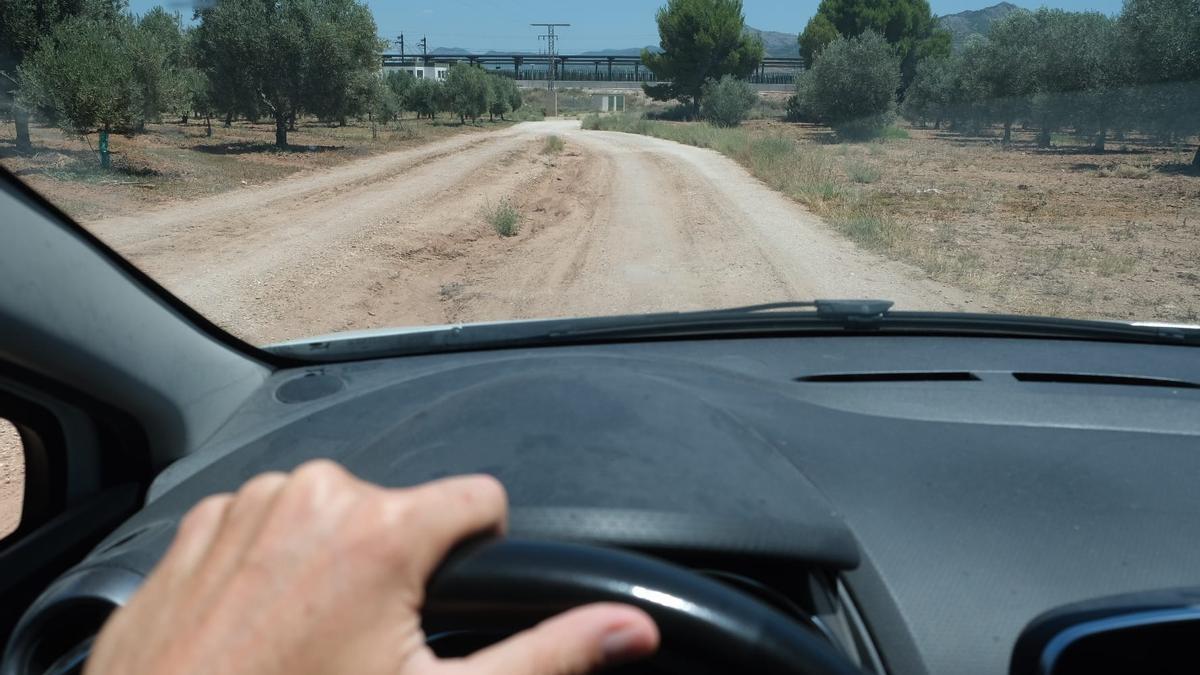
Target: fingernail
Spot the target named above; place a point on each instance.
(623, 644)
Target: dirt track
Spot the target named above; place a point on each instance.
(616, 223)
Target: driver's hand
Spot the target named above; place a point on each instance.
(317, 572)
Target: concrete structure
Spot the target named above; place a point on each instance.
(609, 102)
(422, 71)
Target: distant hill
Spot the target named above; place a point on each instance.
(775, 43)
(974, 22)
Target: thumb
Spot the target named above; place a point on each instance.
(572, 643)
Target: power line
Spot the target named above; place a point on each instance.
(550, 38)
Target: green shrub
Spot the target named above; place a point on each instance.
(727, 101)
(503, 217)
(553, 146)
(801, 106)
(853, 85)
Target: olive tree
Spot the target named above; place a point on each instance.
(424, 97)
(23, 24)
(727, 101)
(1162, 38)
(498, 101)
(82, 76)
(929, 96)
(467, 91)
(853, 85)
(1006, 70)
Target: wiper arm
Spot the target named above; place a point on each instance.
(831, 310)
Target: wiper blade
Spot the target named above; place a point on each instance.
(832, 317)
(832, 310)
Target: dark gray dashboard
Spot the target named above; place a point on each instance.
(957, 486)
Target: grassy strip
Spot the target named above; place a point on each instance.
(808, 173)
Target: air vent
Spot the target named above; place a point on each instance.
(1124, 380)
(933, 376)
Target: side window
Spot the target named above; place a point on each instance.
(12, 478)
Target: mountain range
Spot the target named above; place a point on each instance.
(961, 25)
(974, 22)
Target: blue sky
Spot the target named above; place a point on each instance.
(504, 24)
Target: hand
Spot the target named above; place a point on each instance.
(316, 572)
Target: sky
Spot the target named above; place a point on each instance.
(480, 25)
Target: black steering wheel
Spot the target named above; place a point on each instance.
(507, 584)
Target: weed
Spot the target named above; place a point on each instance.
(503, 217)
(1111, 265)
(862, 172)
(1138, 171)
(553, 146)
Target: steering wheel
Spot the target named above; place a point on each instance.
(509, 584)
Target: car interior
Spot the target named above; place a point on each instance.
(849, 501)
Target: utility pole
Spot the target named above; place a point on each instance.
(550, 38)
(400, 41)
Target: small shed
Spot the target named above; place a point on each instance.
(609, 102)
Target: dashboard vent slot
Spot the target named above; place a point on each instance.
(922, 376)
(1125, 380)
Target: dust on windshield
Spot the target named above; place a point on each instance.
(295, 168)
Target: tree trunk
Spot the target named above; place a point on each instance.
(21, 119)
(228, 120)
(1043, 139)
(281, 129)
(183, 119)
(291, 122)
(208, 126)
(1196, 159)
(1098, 146)
(1007, 133)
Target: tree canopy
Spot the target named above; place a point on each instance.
(467, 91)
(23, 24)
(853, 84)
(288, 57)
(1079, 71)
(98, 71)
(701, 40)
(907, 24)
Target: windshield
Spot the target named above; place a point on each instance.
(295, 168)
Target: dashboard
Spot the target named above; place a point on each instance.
(914, 500)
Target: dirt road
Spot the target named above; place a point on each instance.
(614, 223)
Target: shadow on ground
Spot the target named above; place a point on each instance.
(252, 148)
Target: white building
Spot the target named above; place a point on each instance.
(433, 71)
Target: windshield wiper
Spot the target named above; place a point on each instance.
(833, 310)
(779, 319)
